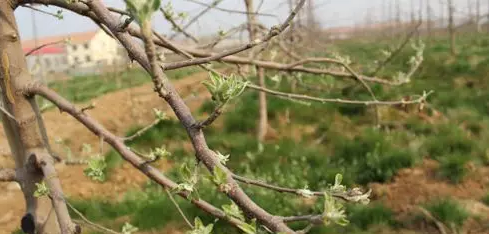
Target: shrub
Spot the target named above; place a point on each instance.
(380, 165)
(448, 140)
(453, 168)
(448, 211)
(364, 217)
(371, 156)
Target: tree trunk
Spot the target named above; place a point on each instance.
(428, 21)
(451, 26)
(262, 99)
(28, 148)
(251, 19)
(478, 15)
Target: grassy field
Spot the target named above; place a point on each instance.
(324, 139)
(85, 88)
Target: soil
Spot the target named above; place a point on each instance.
(116, 111)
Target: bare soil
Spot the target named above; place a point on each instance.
(117, 111)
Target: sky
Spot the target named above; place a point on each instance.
(330, 13)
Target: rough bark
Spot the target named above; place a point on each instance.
(24, 137)
(262, 99)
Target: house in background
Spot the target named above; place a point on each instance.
(75, 54)
(90, 51)
(47, 60)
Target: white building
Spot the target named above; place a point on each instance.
(77, 53)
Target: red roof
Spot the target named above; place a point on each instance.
(45, 50)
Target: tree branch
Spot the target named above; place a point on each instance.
(274, 31)
(44, 161)
(42, 46)
(230, 10)
(82, 9)
(90, 223)
(399, 49)
(421, 99)
(97, 129)
(195, 18)
(142, 131)
(176, 26)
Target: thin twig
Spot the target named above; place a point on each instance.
(441, 227)
(338, 100)
(179, 209)
(399, 49)
(195, 18)
(7, 113)
(42, 46)
(42, 11)
(274, 31)
(90, 223)
(212, 117)
(343, 196)
(142, 131)
(230, 10)
(177, 26)
(306, 229)
(299, 218)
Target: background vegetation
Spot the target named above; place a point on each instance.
(324, 139)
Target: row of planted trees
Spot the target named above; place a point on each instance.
(270, 51)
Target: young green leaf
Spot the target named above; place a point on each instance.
(41, 190)
(199, 227)
(233, 211)
(128, 228)
(96, 169)
(333, 212)
(248, 228)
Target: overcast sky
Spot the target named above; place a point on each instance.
(330, 13)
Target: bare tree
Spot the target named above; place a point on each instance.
(428, 20)
(262, 98)
(46, 207)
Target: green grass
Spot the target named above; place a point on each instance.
(448, 211)
(343, 141)
(453, 168)
(84, 88)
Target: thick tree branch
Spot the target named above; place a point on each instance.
(45, 162)
(131, 157)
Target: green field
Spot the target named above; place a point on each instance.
(343, 140)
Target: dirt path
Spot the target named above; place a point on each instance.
(117, 113)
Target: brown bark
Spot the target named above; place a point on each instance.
(23, 133)
(262, 100)
(251, 19)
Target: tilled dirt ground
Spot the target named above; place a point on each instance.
(117, 111)
(120, 110)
